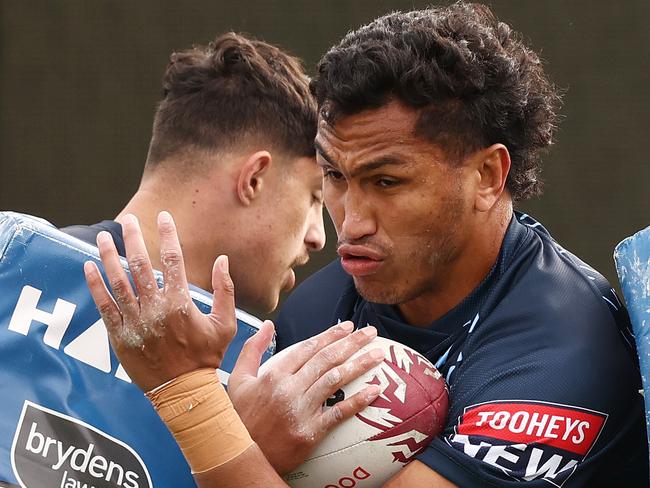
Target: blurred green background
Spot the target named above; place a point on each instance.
(79, 81)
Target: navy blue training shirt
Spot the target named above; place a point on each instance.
(88, 233)
(539, 359)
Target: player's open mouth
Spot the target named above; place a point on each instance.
(359, 260)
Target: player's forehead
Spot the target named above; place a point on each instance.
(385, 133)
(391, 119)
(306, 172)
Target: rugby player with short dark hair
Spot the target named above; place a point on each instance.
(431, 125)
(232, 157)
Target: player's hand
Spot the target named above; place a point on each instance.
(159, 334)
(281, 404)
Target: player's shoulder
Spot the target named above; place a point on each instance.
(547, 369)
(551, 315)
(558, 285)
(314, 305)
(88, 233)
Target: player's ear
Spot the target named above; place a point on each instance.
(252, 176)
(493, 166)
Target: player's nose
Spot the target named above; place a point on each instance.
(358, 220)
(315, 236)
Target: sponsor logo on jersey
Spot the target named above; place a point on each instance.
(55, 450)
(529, 440)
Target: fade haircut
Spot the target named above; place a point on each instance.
(234, 91)
(471, 78)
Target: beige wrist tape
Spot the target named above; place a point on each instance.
(196, 409)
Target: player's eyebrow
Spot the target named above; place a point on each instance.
(381, 161)
(323, 153)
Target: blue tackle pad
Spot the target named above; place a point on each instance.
(632, 257)
(69, 415)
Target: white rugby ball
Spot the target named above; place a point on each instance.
(369, 448)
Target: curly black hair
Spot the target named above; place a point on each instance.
(470, 76)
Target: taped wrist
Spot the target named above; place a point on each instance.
(196, 409)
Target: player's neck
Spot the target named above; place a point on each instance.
(146, 204)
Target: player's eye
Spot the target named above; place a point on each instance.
(331, 174)
(387, 182)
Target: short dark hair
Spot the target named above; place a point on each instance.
(471, 77)
(218, 96)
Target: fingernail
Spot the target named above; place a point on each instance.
(104, 237)
(130, 219)
(372, 392)
(164, 217)
(269, 324)
(223, 263)
(89, 268)
(346, 326)
(377, 354)
(370, 331)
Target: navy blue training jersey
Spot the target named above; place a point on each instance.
(540, 363)
(88, 233)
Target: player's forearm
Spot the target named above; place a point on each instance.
(196, 409)
(418, 474)
(250, 469)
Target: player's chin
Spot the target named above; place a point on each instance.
(268, 304)
(264, 300)
(268, 298)
(377, 290)
(289, 280)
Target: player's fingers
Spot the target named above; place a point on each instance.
(223, 301)
(333, 355)
(248, 362)
(171, 255)
(102, 298)
(341, 375)
(138, 259)
(345, 409)
(116, 276)
(307, 349)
